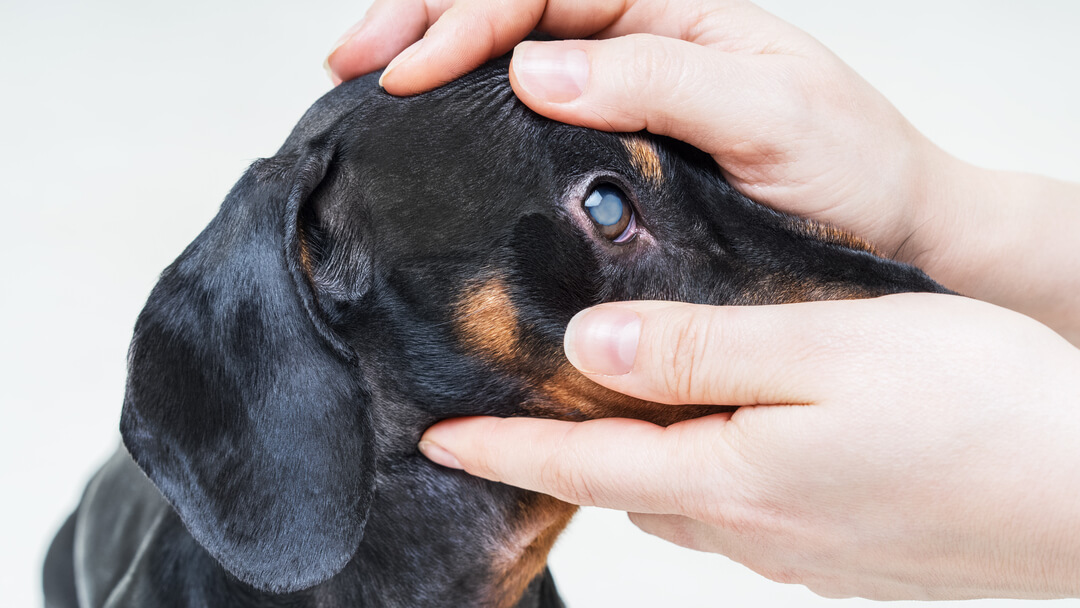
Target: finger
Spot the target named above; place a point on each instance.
(680, 353)
(742, 542)
(456, 41)
(388, 28)
(613, 463)
(464, 34)
(473, 31)
(669, 87)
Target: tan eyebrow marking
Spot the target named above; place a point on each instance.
(487, 320)
(644, 158)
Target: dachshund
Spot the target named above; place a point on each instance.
(400, 261)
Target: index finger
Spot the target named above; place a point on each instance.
(460, 36)
(614, 463)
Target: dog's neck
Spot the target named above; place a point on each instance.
(438, 538)
(435, 536)
(434, 539)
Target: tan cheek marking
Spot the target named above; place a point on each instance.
(305, 255)
(784, 288)
(487, 324)
(538, 522)
(487, 321)
(645, 159)
(569, 395)
(787, 289)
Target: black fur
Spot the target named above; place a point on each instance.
(286, 364)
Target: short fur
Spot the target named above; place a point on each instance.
(400, 261)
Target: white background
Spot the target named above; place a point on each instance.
(123, 123)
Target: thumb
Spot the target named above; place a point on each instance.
(667, 86)
(790, 354)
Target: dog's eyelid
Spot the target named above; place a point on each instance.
(630, 233)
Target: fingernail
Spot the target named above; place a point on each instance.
(402, 57)
(330, 72)
(347, 36)
(550, 71)
(437, 454)
(603, 340)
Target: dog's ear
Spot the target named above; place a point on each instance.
(242, 405)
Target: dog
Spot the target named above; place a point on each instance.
(400, 261)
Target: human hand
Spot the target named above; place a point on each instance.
(910, 446)
(791, 125)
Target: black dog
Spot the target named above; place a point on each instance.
(398, 262)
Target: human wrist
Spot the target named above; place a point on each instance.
(999, 236)
(958, 228)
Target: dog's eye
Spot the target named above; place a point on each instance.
(611, 212)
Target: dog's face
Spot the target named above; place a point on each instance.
(486, 228)
(401, 261)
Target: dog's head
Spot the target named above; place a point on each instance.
(405, 260)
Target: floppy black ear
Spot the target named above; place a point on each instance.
(242, 406)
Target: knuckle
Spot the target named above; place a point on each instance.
(688, 347)
(565, 483)
(785, 576)
(562, 477)
(829, 590)
(482, 454)
(651, 58)
(656, 68)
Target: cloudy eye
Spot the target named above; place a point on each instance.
(610, 212)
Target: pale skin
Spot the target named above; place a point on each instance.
(905, 447)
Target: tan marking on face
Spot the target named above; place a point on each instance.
(569, 395)
(537, 522)
(305, 257)
(831, 234)
(486, 321)
(786, 288)
(645, 159)
(783, 288)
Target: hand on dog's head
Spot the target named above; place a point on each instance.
(404, 260)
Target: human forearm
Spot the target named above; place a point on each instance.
(1002, 237)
